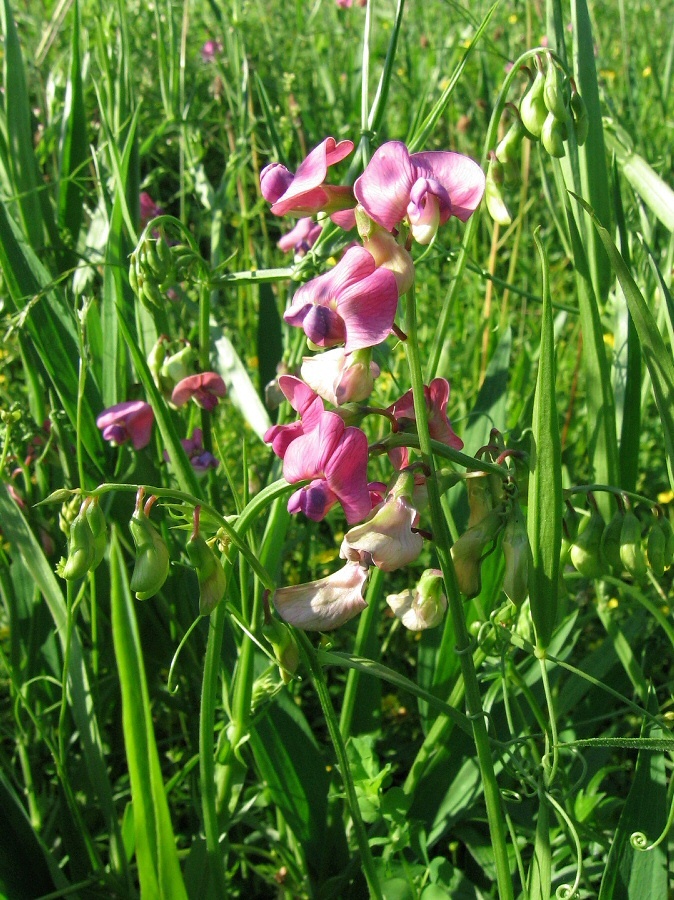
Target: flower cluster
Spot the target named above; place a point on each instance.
(345, 313)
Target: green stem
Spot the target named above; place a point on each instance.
(463, 642)
(321, 686)
(551, 738)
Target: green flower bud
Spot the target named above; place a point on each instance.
(283, 644)
(508, 148)
(552, 136)
(493, 196)
(581, 120)
(666, 526)
(631, 551)
(585, 551)
(610, 543)
(533, 110)
(152, 557)
(517, 554)
(469, 549)
(81, 549)
(655, 549)
(480, 496)
(99, 529)
(555, 92)
(210, 573)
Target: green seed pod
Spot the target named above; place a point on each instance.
(81, 549)
(631, 550)
(211, 575)
(468, 551)
(655, 549)
(532, 108)
(99, 529)
(610, 543)
(585, 551)
(494, 198)
(152, 557)
(133, 275)
(555, 92)
(581, 120)
(158, 267)
(517, 555)
(552, 136)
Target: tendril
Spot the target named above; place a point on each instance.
(638, 839)
(564, 891)
(169, 684)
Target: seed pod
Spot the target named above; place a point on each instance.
(133, 275)
(494, 198)
(555, 92)
(585, 551)
(581, 121)
(532, 108)
(152, 557)
(211, 575)
(552, 136)
(80, 549)
(517, 555)
(468, 551)
(99, 529)
(631, 551)
(610, 543)
(655, 549)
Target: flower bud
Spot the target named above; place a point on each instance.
(555, 92)
(210, 573)
(99, 529)
(480, 496)
(81, 549)
(581, 121)
(655, 549)
(586, 549)
(283, 644)
(552, 136)
(610, 543)
(152, 557)
(668, 531)
(425, 606)
(493, 196)
(631, 551)
(389, 254)
(469, 549)
(533, 110)
(508, 149)
(517, 554)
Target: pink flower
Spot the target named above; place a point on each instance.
(204, 389)
(347, 4)
(386, 537)
(200, 459)
(353, 304)
(129, 421)
(334, 456)
(426, 188)
(340, 377)
(436, 395)
(210, 50)
(304, 193)
(301, 238)
(324, 604)
(148, 209)
(304, 401)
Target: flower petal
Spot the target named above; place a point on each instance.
(368, 310)
(460, 176)
(324, 604)
(346, 474)
(384, 187)
(308, 455)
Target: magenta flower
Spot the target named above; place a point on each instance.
(386, 537)
(200, 459)
(347, 4)
(148, 209)
(340, 377)
(128, 421)
(210, 50)
(301, 238)
(205, 389)
(353, 304)
(304, 401)
(324, 604)
(334, 456)
(425, 188)
(304, 193)
(436, 395)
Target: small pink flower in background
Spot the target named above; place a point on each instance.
(324, 604)
(353, 304)
(301, 238)
(305, 402)
(334, 456)
(304, 193)
(128, 421)
(426, 188)
(200, 459)
(436, 395)
(205, 389)
(148, 209)
(425, 606)
(347, 4)
(341, 377)
(386, 537)
(210, 50)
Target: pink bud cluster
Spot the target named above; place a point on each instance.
(345, 313)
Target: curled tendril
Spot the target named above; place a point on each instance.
(511, 796)
(566, 892)
(639, 841)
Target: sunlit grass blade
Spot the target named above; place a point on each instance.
(239, 385)
(545, 481)
(74, 147)
(17, 531)
(653, 190)
(158, 867)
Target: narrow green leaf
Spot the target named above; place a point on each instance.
(653, 190)
(545, 481)
(158, 867)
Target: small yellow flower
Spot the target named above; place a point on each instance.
(647, 72)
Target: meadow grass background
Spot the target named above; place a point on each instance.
(233, 784)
